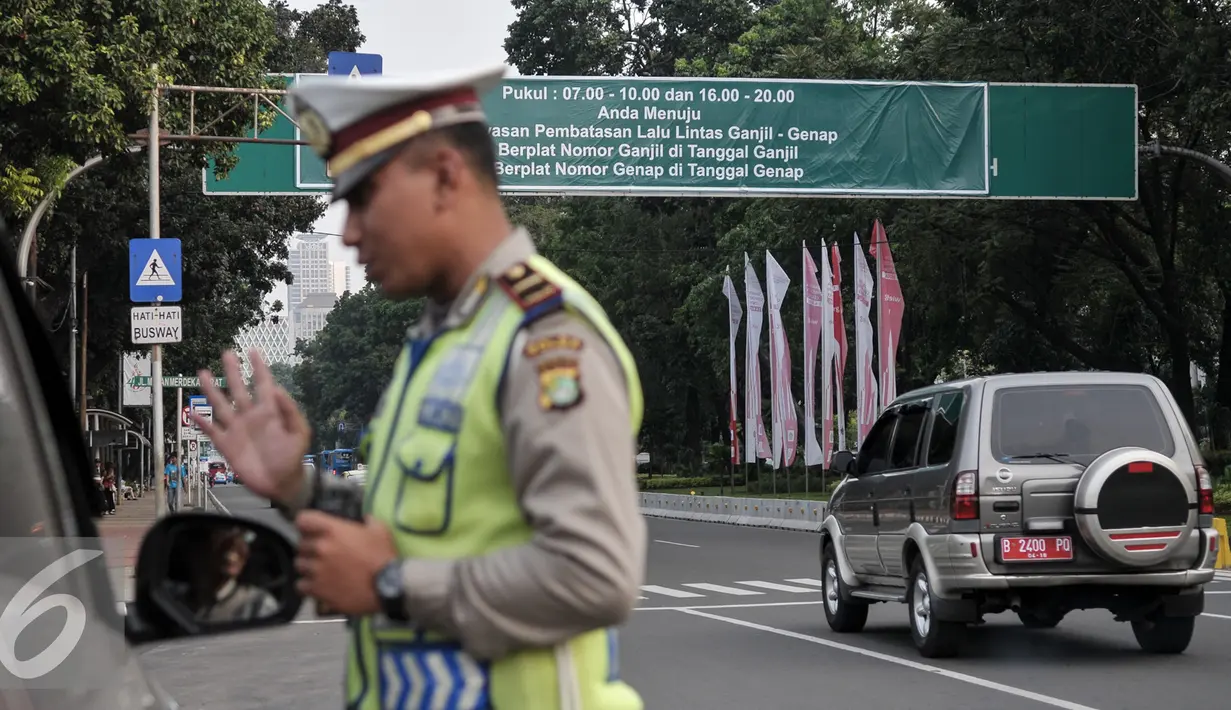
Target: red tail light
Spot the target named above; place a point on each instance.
(1205, 492)
(966, 496)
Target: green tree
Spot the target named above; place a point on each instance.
(304, 39)
(87, 84)
(234, 247)
(345, 368)
(284, 375)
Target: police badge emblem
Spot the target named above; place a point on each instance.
(559, 384)
(312, 126)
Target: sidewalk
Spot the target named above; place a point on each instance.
(122, 534)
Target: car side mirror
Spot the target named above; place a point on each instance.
(205, 573)
(843, 462)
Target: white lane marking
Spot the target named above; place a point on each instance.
(319, 621)
(1218, 592)
(780, 587)
(809, 582)
(668, 591)
(722, 590)
(725, 606)
(679, 544)
(1216, 616)
(945, 673)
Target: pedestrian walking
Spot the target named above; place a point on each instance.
(172, 478)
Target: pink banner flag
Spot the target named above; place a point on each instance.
(829, 348)
(814, 304)
(756, 444)
(783, 418)
(865, 372)
(839, 332)
(890, 307)
(735, 313)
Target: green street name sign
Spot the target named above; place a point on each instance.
(788, 138)
(185, 382)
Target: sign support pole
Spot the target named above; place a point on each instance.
(179, 444)
(160, 459)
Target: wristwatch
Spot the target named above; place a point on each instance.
(391, 591)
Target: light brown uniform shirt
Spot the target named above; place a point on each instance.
(574, 473)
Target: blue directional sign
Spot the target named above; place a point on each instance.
(355, 64)
(155, 271)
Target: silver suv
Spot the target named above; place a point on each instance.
(1037, 493)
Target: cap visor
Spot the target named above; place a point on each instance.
(346, 183)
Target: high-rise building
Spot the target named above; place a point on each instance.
(308, 261)
(310, 315)
(272, 340)
(340, 278)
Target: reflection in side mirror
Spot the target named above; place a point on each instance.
(844, 462)
(202, 573)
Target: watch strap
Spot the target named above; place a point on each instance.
(393, 605)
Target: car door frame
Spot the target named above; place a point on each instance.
(48, 404)
(894, 492)
(861, 515)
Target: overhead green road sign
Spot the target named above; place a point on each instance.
(271, 169)
(1064, 141)
(740, 136)
(791, 138)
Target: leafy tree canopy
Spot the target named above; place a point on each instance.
(89, 86)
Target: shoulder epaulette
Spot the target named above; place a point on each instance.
(530, 290)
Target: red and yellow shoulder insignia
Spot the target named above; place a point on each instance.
(527, 287)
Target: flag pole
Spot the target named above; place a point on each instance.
(880, 394)
(804, 339)
(730, 400)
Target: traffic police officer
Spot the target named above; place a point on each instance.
(499, 541)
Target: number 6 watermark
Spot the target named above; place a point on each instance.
(25, 607)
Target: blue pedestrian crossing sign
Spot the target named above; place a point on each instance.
(354, 64)
(155, 271)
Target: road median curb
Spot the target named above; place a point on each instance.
(785, 514)
(215, 504)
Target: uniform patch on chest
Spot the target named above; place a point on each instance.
(559, 384)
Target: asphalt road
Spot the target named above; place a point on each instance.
(731, 618)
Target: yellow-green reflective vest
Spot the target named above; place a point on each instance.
(441, 482)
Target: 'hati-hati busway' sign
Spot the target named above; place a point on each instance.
(157, 325)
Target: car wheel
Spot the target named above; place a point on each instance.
(843, 616)
(1164, 634)
(1037, 619)
(934, 638)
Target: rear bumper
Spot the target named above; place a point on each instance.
(965, 571)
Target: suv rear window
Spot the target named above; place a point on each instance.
(1082, 422)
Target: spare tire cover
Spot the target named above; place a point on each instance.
(1133, 507)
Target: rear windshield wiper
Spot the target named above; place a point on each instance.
(1057, 457)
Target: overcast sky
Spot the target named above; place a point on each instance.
(417, 36)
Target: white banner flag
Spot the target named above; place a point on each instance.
(736, 314)
(814, 323)
(785, 422)
(865, 374)
(756, 445)
(829, 352)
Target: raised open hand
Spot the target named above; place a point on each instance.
(264, 439)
